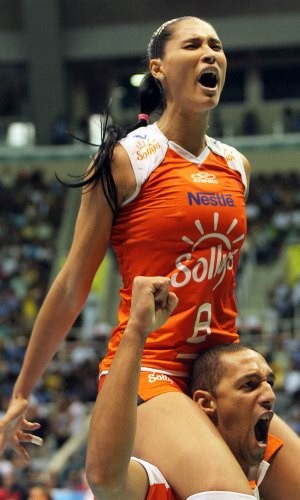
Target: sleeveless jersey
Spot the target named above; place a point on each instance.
(159, 489)
(186, 220)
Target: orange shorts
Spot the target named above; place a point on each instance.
(153, 382)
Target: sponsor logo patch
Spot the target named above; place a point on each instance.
(155, 377)
(146, 149)
(223, 250)
(213, 199)
(204, 178)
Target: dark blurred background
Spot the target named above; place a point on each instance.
(61, 63)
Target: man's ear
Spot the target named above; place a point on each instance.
(207, 403)
(156, 69)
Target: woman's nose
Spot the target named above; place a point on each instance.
(209, 55)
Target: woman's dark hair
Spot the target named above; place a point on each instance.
(151, 98)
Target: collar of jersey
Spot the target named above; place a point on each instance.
(211, 145)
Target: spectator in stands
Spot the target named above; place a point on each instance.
(294, 412)
(292, 379)
(39, 492)
(60, 422)
(280, 301)
(10, 489)
(279, 359)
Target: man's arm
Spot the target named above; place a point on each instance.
(110, 472)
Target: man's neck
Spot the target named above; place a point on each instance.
(251, 472)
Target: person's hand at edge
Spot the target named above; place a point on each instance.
(15, 429)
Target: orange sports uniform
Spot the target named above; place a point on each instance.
(186, 220)
(159, 489)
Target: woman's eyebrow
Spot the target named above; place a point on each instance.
(194, 38)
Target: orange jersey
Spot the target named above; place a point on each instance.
(274, 445)
(186, 220)
(159, 489)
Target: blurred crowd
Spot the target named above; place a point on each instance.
(273, 212)
(30, 211)
(30, 214)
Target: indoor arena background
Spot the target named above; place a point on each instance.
(61, 61)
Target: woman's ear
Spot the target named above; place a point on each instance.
(207, 403)
(155, 67)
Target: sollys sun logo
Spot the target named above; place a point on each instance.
(214, 266)
(146, 148)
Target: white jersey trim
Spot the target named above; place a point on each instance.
(147, 148)
(231, 155)
(189, 156)
(154, 370)
(164, 372)
(154, 474)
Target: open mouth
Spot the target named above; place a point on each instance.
(208, 79)
(261, 428)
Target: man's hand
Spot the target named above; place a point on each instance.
(13, 427)
(151, 303)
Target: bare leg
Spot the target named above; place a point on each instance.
(283, 479)
(176, 436)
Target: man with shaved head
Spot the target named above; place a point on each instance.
(232, 384)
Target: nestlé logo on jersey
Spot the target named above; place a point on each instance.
(212, 199)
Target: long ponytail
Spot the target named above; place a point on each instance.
(151, 98)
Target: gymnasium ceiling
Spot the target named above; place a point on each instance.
(74, 13)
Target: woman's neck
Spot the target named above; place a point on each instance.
(188, 132)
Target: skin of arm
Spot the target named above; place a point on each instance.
(110, 472)
(65, 299)
(247, 168)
